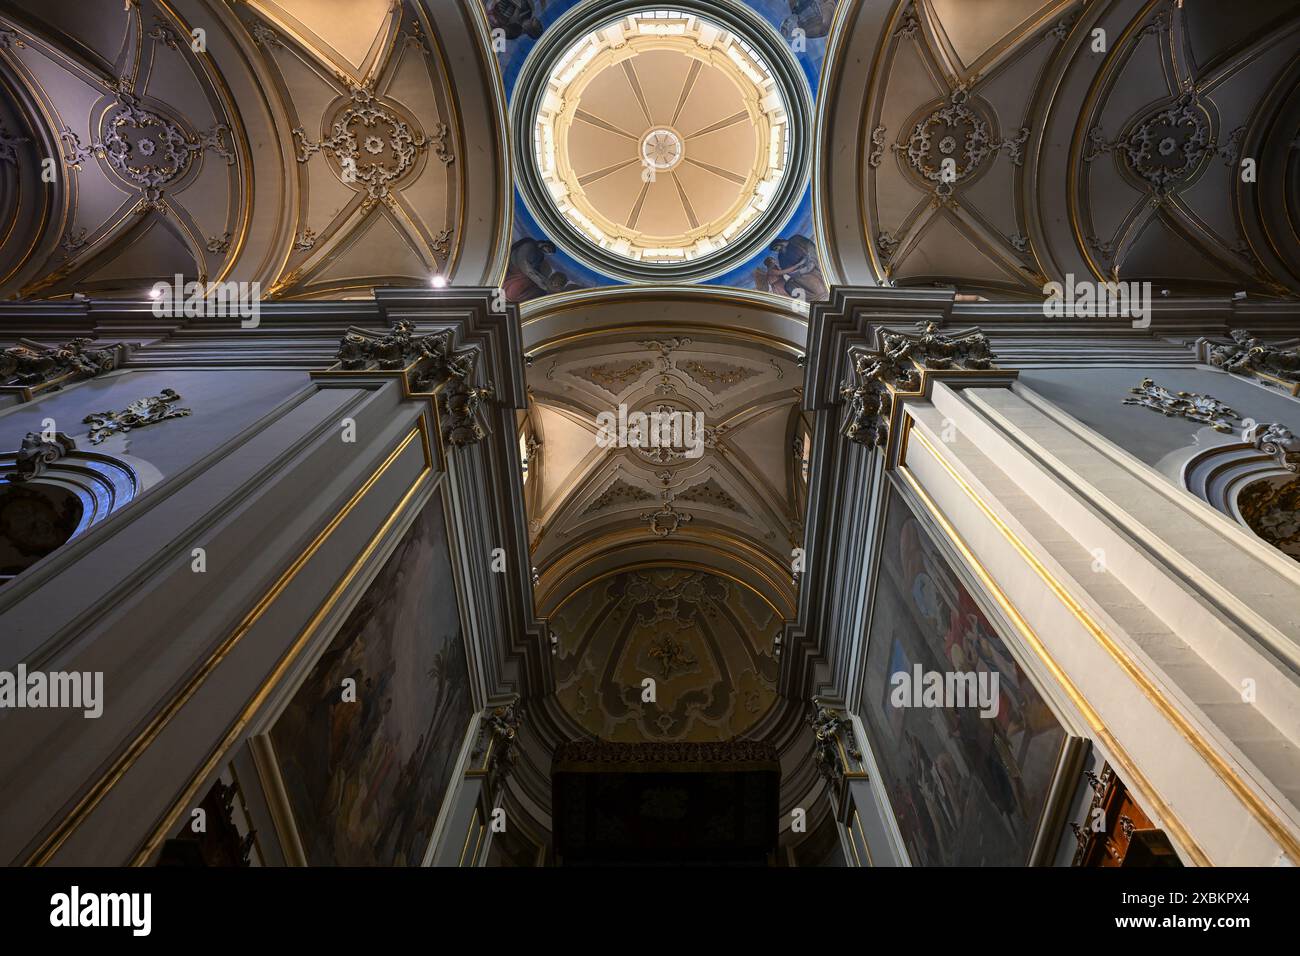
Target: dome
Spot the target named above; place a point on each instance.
(662, 143)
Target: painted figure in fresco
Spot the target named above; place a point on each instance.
(813, 17)
(529, 274)
(516, 17)
(559, 282)
(768, 277)
(799, 270)
(922, 823)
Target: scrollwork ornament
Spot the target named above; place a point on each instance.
(1247, 355)
(1205, 409)
(667, 520)
(30, 364)
(1163, 148)
(141, 412)
(380, 146)
(877, 146)
(36, 452)
(896, 367)
(1279, 442)
(834, 740)
(498, 732)
(950, 144)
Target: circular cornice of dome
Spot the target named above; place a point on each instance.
(661, 143)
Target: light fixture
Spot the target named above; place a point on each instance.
(439, 281)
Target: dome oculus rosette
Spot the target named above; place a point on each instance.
(661, 143)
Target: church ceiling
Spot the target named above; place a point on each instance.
(319, 147)
(725, 501)
(1101, 139)
(705, 641)
(324, 147)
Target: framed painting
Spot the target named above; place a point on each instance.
(970, 778)
(367, 745)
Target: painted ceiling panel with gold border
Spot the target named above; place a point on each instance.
(704, 640)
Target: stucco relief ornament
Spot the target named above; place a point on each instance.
(1278, 441)
(832, 731)
(498, 731)
(666, 348)
(1063, 27)
(164, 34)
(72, 242)
(887, 246)
(266, 37)
(870, 405)
(35, 453)
(667, 520)
(1247, 355)
(1205, 409)
(908, 25)
(9, 146)
(393, 348)
(897, 366)
(141, 412)
(145, 148)
(1164, 148)
(32, 364)
(958, 133)
(371, 138)
(462, 405)
(877, 147)
(430, 360)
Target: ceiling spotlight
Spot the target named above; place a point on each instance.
(439, 281)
